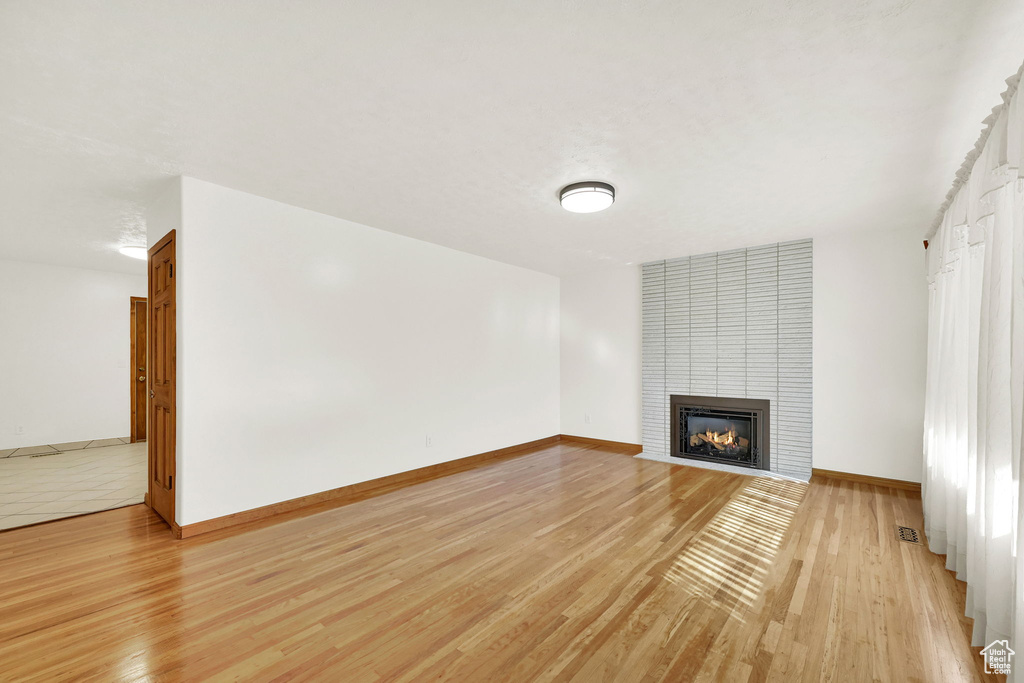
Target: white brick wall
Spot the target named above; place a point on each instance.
(733, 324)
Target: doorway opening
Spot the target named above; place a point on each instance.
(73, 450)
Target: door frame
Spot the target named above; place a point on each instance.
(172, 351)
(135, 300)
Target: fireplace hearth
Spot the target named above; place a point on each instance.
(731, 431)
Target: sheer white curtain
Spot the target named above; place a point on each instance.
(972, 488)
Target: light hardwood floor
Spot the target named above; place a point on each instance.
(568, 563)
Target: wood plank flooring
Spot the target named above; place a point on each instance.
(570, 563)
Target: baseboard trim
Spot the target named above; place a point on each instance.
(631, 448)
(866, 479)
(359, 491)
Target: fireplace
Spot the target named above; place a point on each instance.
(731, 431)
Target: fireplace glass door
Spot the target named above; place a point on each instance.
(720, 434)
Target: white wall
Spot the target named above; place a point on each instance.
(347, 346)
(600, 318)
(64, 353)
(870, 347)
(870, 327)
(164, 213)
(315, 352)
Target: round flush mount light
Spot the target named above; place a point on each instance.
(134, 252)
(587, 197)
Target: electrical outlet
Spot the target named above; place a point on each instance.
(429, 442)
(586, 417)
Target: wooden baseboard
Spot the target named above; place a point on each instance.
(359, 491)
(865, 479)
(631, 448)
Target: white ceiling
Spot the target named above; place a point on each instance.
(722, 124)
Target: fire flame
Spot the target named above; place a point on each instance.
(725, 439)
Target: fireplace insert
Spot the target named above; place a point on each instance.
(732, 431)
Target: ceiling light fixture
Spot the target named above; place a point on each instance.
(135, 252)
(587, 197)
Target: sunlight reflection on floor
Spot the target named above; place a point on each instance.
(726, 563)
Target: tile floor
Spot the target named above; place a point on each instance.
(62, 447)
(40, 488)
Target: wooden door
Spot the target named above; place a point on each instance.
(162, 378)
(139, 363)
